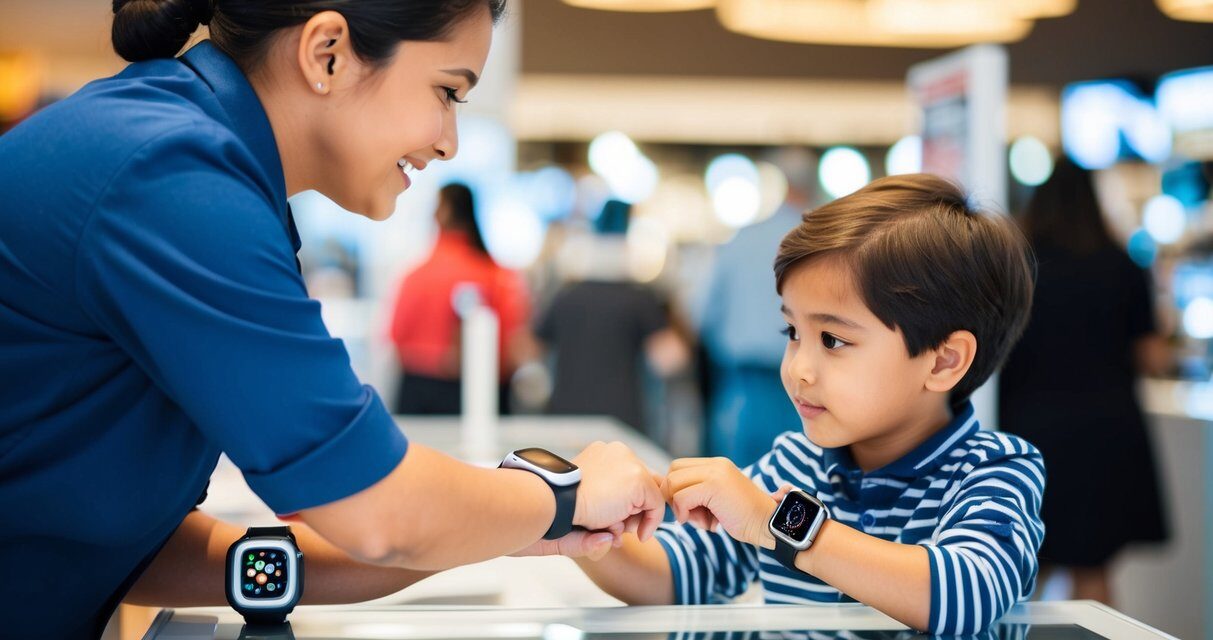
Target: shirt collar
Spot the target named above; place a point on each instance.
(245, 114)
(917, 463)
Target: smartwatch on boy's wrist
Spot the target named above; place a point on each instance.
(795, 524)
(264, 575)
(561, 475)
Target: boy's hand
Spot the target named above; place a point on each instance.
(711, 492)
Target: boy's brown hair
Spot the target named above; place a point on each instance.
(925, 262)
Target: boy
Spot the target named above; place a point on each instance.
(900, 301)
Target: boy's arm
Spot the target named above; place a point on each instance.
(893, 578)
(681, 564)
(637, 573)
(982, 561)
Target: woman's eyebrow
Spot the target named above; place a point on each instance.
(472, 78)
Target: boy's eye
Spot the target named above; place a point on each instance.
(830, 342)
(790, 332)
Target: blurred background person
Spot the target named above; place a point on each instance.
(1068, 387)
(426, 324)
(603, 329)
(740, 327)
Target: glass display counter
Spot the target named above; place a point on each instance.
(1029, 621)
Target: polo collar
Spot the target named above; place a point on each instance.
(917, 463)
(245, 114)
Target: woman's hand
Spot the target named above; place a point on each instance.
(579, 543)
(617, 493)
(713, 492)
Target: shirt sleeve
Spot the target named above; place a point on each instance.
(983, 555)
(186, 265)
(708, 567)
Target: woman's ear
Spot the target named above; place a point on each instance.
(952, 360)
(325, 52)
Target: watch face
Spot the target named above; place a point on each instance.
(264, 573)
(795, 516)
(546, 460)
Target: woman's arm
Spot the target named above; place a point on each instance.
(434, 512)
(198, 549)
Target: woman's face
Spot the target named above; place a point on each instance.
(403, 112)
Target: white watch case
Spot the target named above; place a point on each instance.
(292, 567)
(515, 461)
(823, 513)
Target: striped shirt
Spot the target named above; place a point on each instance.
(970, 497)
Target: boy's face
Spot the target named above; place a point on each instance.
(849, 376)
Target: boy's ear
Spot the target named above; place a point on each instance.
(952, 361)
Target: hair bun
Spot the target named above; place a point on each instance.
(150, 29)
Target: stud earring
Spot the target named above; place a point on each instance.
(320, 86)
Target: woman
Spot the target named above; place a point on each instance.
(152, 316)
(425, 324)
(1068, 387)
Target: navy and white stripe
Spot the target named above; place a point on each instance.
(970, 497)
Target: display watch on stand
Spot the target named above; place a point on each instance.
(264, 575)
(561, 475)
(795, 524)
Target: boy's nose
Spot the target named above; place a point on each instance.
(803, 369)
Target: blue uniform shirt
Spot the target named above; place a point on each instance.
(152, 316)
(971, 498)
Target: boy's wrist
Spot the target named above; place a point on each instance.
(760, 530)
(805, 560)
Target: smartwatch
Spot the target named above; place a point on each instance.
(795, 524)
(264, 575)
(561, 475)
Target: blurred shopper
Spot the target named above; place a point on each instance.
(740, 332)
(1068, 387)
(602, 328)
(426, 324)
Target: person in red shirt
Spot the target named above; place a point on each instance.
(425, 325)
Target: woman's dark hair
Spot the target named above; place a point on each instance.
(1065, 213)
(462, 206)
(244, 29)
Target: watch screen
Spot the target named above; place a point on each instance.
(546, 460)
(263, 573)
(795, 516)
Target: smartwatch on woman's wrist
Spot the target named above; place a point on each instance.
(561, 475)
(264, 575)
(795, 524)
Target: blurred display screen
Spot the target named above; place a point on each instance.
(1185, 99)
(1192, 280)
(1106, 121)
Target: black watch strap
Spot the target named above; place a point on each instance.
(260, 618)
(786, 554)
(258, 532)
(566, 505)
